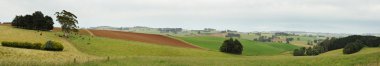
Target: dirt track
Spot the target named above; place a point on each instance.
(149, 38)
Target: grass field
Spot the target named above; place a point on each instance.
(18, 56)
(94, 51)
(367, 57)
(250, 47)
(113, 47)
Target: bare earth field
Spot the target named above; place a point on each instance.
(149, 38)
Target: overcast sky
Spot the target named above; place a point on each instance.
(334, 16)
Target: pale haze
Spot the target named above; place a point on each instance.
(332, 16)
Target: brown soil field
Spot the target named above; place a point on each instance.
(149, 38)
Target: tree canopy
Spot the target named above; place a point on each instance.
(36, 21)
(350, 44)
(232, 46)
(68, 21)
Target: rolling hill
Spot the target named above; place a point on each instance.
(95, 51)
(250, 47)
(149, 38)
(21, 57)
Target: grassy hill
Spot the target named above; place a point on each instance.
(113, 47)
(94, 51)
(363, 58)
(20, 57)
(250, 47)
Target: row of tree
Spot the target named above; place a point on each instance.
(350, 44)
(36, 21)
(232, 46)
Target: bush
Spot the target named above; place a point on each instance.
(22, 45)
(50, 45)
(37, 46)
(53, 46)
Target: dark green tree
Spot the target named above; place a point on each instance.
(353, 47)
(36, 21)
(231, 46)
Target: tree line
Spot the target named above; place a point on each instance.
(36, 21)
(350, 44)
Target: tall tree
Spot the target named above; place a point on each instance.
(68, 21)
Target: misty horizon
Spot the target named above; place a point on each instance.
(338, 16)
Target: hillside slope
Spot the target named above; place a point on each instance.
(250, 47)
(101, 46)
(20, 56)
(149, 38)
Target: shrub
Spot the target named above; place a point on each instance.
(37, 46)
(53, 46)
(50, 45)
(22, 45)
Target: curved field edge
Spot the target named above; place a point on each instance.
(101, 46)
(142, 37)
(21, 56)
(250, 47)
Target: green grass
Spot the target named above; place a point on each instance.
(112, 47)
(367, 57)
(132, 53)
(250, 47)
(21, 57)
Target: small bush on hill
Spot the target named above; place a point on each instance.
(53, 46)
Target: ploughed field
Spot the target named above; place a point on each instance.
(148, 38)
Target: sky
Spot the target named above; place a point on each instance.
(331, 16)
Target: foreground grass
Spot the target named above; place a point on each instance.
(250, 47)
(367, 57)
(21, 57)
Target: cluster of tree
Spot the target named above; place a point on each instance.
(229, 31)
(173, 30)
(209, 29)
(232, 46)
(231, 35)
(353, 47)
(350, 44)
(263, 39)
(49, 45)
(36, 21)
(283, 34)
(288, 40)
(311, 51)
